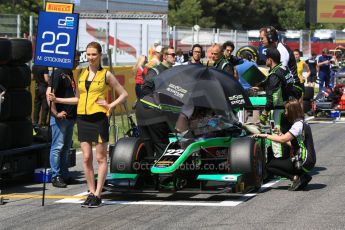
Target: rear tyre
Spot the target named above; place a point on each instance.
(21, 51)
(125, 158)
(17, 104)
(246, 158)
(251, 49)
(5, 134)
(15, 76)
(5, 51)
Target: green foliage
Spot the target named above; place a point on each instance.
(241, 14)
(23, 7)
(188, 13)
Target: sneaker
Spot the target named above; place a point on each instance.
(88, 200)
(58, 182)
(305, 179)
(95, 202)
(295, 184)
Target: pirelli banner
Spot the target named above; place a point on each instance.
(330, 11)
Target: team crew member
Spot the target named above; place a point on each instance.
(196, 54)
(153, 124)
(62, 122)
(92, 118)
(312, 64)
(276, 88)
(304, 157)
(40, 75)
(323, 63)
(220, 62)
(269, 38)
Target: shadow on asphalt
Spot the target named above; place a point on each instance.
(26, 184)
(317, 170)
(310, 187)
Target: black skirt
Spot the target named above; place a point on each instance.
(93, 128)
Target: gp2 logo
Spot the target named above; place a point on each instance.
(174, 152)
(67, 22)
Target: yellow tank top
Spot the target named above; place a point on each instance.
(300, 71)
(97, 90)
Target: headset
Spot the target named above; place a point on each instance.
(271, 34)
(190, 52)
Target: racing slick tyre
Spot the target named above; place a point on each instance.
(21, 52)
(15, 133)
(5, 51)
(126, 155)
(251, 49)
(15, 76)
(17, 104)
(5, 136)
(308, 93)
(21, 133)
(246, 158)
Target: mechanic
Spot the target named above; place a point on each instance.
(229, 47)
(62, 122)
(313, 70)
(153, 126)
(323, 63)
(220, 62)
(303, 158)
(277, 90)
(196, 54)
(269, 38)
(41, 77)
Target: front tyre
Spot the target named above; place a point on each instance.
(126, 155)
(246, 158)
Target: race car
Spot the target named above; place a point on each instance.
(208, 158)
(209, 150)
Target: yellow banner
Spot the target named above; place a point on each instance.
(330, 11)
(59, 7)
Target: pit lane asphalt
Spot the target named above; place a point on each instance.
(321, 206)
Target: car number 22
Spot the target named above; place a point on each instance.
(174, 152)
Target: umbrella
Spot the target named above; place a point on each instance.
(200, 86)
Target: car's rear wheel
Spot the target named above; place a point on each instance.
(246, 158)
(252, 50)
(126, 155)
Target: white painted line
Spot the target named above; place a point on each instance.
(176, 203)
(309, 118)
(225, 203)
(73, 200)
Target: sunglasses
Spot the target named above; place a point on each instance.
(172, 54)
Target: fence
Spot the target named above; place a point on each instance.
(10, 25)
(180, 37)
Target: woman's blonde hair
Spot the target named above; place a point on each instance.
(140, 62)
(294, 110)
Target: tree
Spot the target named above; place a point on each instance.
(23, 7)
(188, 13)
(292, 15)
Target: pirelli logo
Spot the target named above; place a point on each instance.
(59, 7)
(330, 11)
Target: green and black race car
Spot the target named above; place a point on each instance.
(215, 153)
